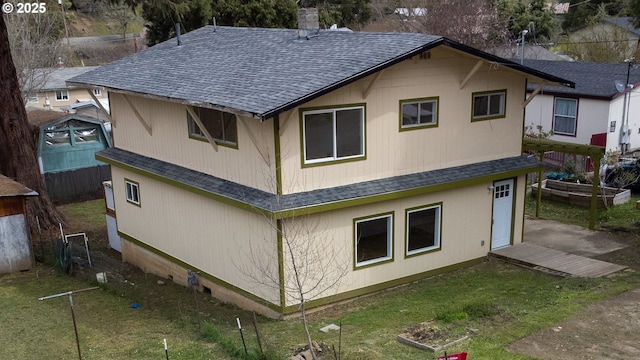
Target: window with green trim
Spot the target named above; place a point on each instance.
(132, 191)
(333, 134)
(221, 125)
(423, 229)
(489, 105)
(373, 239)
(419, 113)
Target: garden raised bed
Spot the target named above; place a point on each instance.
(580, 194)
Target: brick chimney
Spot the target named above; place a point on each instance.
(308, 19)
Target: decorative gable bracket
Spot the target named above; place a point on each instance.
(204, 130)
(146, 125)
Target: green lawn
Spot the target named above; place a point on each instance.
(503, 302)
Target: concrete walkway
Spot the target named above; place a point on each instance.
(562, 249)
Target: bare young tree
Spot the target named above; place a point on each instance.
(35, 47)
(312, 265)
(473, 22)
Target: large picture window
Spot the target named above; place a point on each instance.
(423, 229)
(373, 239)
(489, 105)
(333, 134)
(132, 192)
(220, 125)
(565, 114)
(418, 113)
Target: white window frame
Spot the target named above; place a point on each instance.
(32, 98)
(489, 115)
(334, 156)
(97, 92)
(419, 102)
(436, 231)
(566, 116)
(62, 95)
(132, 192)
(389, 256)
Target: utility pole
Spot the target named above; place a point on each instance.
(524, 32)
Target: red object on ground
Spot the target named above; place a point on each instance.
(458, 356)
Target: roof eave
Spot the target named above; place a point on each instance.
(185, 102)
(554, 80)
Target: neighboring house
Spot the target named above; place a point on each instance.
(403, 149)
(49, 90)
(595, 108)
(14, 235)
(614, 33)
(66, 149)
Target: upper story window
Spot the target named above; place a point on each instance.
(221, 126)
(373, 239)
(97, 92)
(423, 229)
(565, 114)
(333, 134)
(62, 95)
(489, 105)
(418, 113)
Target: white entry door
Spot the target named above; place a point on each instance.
(502, 213)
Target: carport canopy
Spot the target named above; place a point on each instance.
(596, 153)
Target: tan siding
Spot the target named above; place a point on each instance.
(75, 95)
(455, 141)
(170, 142)
(466, 222)
(211, 236)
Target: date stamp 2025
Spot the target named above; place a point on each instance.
(24, 7)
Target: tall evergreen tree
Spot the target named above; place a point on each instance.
(17, 146)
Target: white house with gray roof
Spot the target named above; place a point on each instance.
(395, 157)
(600, 107)
(47, 88)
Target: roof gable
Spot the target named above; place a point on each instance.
(262, 72)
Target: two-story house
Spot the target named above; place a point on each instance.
(602, 108)
(400, 154)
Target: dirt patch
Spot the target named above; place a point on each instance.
(607, 330)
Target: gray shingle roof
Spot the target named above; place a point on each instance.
(592, 79)
(262, 72)
(266, 201)
(55, 78)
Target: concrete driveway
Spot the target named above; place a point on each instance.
(606, 330)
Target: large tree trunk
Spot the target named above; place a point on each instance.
(17, 148)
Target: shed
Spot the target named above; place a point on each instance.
(66, 157)
(15, 249)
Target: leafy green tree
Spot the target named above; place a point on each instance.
(256, 13)
(350, 13)
(634, 12)
(536, 17)
(581, 12)
(162, 16)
